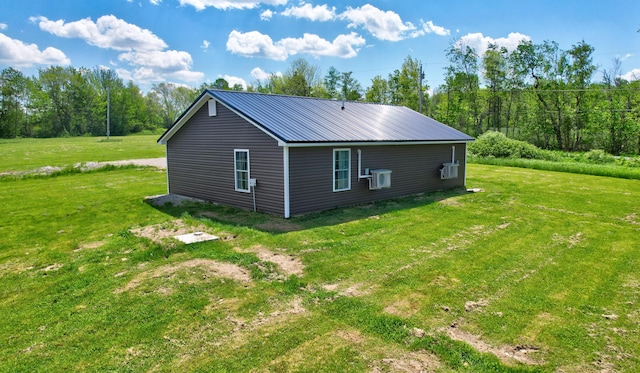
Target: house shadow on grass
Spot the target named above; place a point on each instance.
(177, 207)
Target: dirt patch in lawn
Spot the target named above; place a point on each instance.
(242, 327)
(473, 306)
(407, 306)
(351, 290)
(287, 264)
(201, 268)
(89, 245)
(165, 231)
(408, 362)
(450, 202)
(632, 219)
(507, 354)
(14, 267)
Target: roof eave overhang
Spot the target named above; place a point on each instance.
(293, 144)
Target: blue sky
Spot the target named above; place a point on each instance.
(194, 41)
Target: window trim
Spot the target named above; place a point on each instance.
(235, 170)
(335, 170)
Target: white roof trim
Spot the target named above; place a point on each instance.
(196, 106)
(370, 143)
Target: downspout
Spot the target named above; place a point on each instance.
(285, 158)
(166, 159)
(465, 164)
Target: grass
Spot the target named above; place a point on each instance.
(610, 170)
(28, 154)
(539, 260)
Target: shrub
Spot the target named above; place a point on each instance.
(496, 144)
(598, 156)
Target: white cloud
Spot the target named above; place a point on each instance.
(480, 43)
(259, 74)
(155, 2)
(106, 32)
(256, 44)
(14, 52)
(266, 15)
(230, 4)
(429, 28)
(205, 45)
(142, 50)
(631, 75)
(320, 13)
(233, 80)
(626, 56)
(152, 66)
(167, 61)
(3, 26)
(383, 25)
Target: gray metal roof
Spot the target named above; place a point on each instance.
(312, 120)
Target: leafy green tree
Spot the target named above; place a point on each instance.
(300, 79)
(55, 81)
(494, 69)
(462, 87)
(221, 83)
(580, 70)
(350, 88)
(379, 91)
(404, 84)
(13, 94)
(331, 83)
(172, 100)
(621, 101)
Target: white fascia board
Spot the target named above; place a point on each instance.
(370, 143)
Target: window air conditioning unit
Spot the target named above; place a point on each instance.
(380, 179)
(449, 171)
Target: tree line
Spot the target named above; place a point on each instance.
(536, 92)
(541, 94)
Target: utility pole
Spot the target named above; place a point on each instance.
(420, 79)
(108, 110)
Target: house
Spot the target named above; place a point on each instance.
(289, 156)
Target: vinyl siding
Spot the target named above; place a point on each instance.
(200, 161)
(415, 169)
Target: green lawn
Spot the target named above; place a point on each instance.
(28, 154)
(541, 265)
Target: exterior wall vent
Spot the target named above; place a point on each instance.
(380, 179)
(212, 108)
(449, 171)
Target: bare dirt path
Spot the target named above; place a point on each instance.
(47, 170)
(154, 162)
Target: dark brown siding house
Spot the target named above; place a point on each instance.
(289, 156)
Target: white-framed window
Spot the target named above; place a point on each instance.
(241, 169)
(341, 169)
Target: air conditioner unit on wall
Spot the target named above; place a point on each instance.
(380, 179)
(449, 171)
